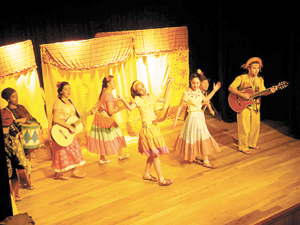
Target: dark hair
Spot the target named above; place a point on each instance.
(199, 76)
(105, 82)
(132, 91)
(195, 75)
(60, 87)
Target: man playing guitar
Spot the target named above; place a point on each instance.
(248, 120)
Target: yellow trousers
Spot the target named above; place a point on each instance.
(248, 128)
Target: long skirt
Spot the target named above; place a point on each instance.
(66, 158)
(15, 156)
(194, 139)
(106, 137)
(151, 142)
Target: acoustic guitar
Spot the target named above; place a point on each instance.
(238, 104)
(62, 135)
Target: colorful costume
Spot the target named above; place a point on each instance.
(150, 140)
(15, 156)
(194, 139)
(65, 158)
(106, 137)
(21, 112)
(249, 119)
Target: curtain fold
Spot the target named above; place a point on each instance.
(18, 71)
(155, 41)
(16, 58)
(87, 54)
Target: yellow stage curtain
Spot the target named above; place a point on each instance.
(151, 58)
(87, 54)
(16, 58)
(151, 41)
(86, 80)
(18, 71)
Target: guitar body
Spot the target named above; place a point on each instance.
(62, 135)
(237, 103)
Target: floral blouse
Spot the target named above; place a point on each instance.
(193, 99)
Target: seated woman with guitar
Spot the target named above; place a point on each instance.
(65, 156)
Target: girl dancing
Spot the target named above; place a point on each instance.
(106, 137)
(150, 140)
(194, 139)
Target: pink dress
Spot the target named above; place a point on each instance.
(65, 158)
(106, 137)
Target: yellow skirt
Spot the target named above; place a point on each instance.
(151, 142)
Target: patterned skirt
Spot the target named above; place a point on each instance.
(151, 142)
(15, 156)
(66, 158)
(106, 137)
(194, 139)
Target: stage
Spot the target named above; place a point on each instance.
(245, 189)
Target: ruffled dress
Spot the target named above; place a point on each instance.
(150, 143)
(65, 158)
(105, 137)
(194, 139)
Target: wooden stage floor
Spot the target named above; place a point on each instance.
(244, 189)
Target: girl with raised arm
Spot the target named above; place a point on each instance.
(106, 137)
(194, 139)
(151, 143)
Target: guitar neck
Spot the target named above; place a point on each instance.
(260, 93)
(83, 117)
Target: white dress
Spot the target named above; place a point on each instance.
(194, 139)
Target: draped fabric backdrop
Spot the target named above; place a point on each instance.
(18, 71)
(151, 58)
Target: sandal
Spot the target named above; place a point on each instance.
(209, 165)
(199, 161)
(18, 198)
(247, 152)
(60, 177)
(124, 156)
(256, 148)
(101, 162)
(150, 178)
(76, 175)
(165, 182)
(29, 187)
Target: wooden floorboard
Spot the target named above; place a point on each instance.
(244, 189)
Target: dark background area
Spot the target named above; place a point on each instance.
(222, 36)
